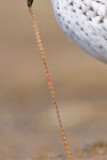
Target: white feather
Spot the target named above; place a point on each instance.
(85, 23)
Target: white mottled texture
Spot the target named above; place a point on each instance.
(85, 23)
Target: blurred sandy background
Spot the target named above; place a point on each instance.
(28, 124)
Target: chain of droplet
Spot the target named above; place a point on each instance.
(50, 84)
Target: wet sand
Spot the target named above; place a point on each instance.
(28, 124)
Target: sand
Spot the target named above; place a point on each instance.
(28, 123)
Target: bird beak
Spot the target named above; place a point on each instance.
(29, 3)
